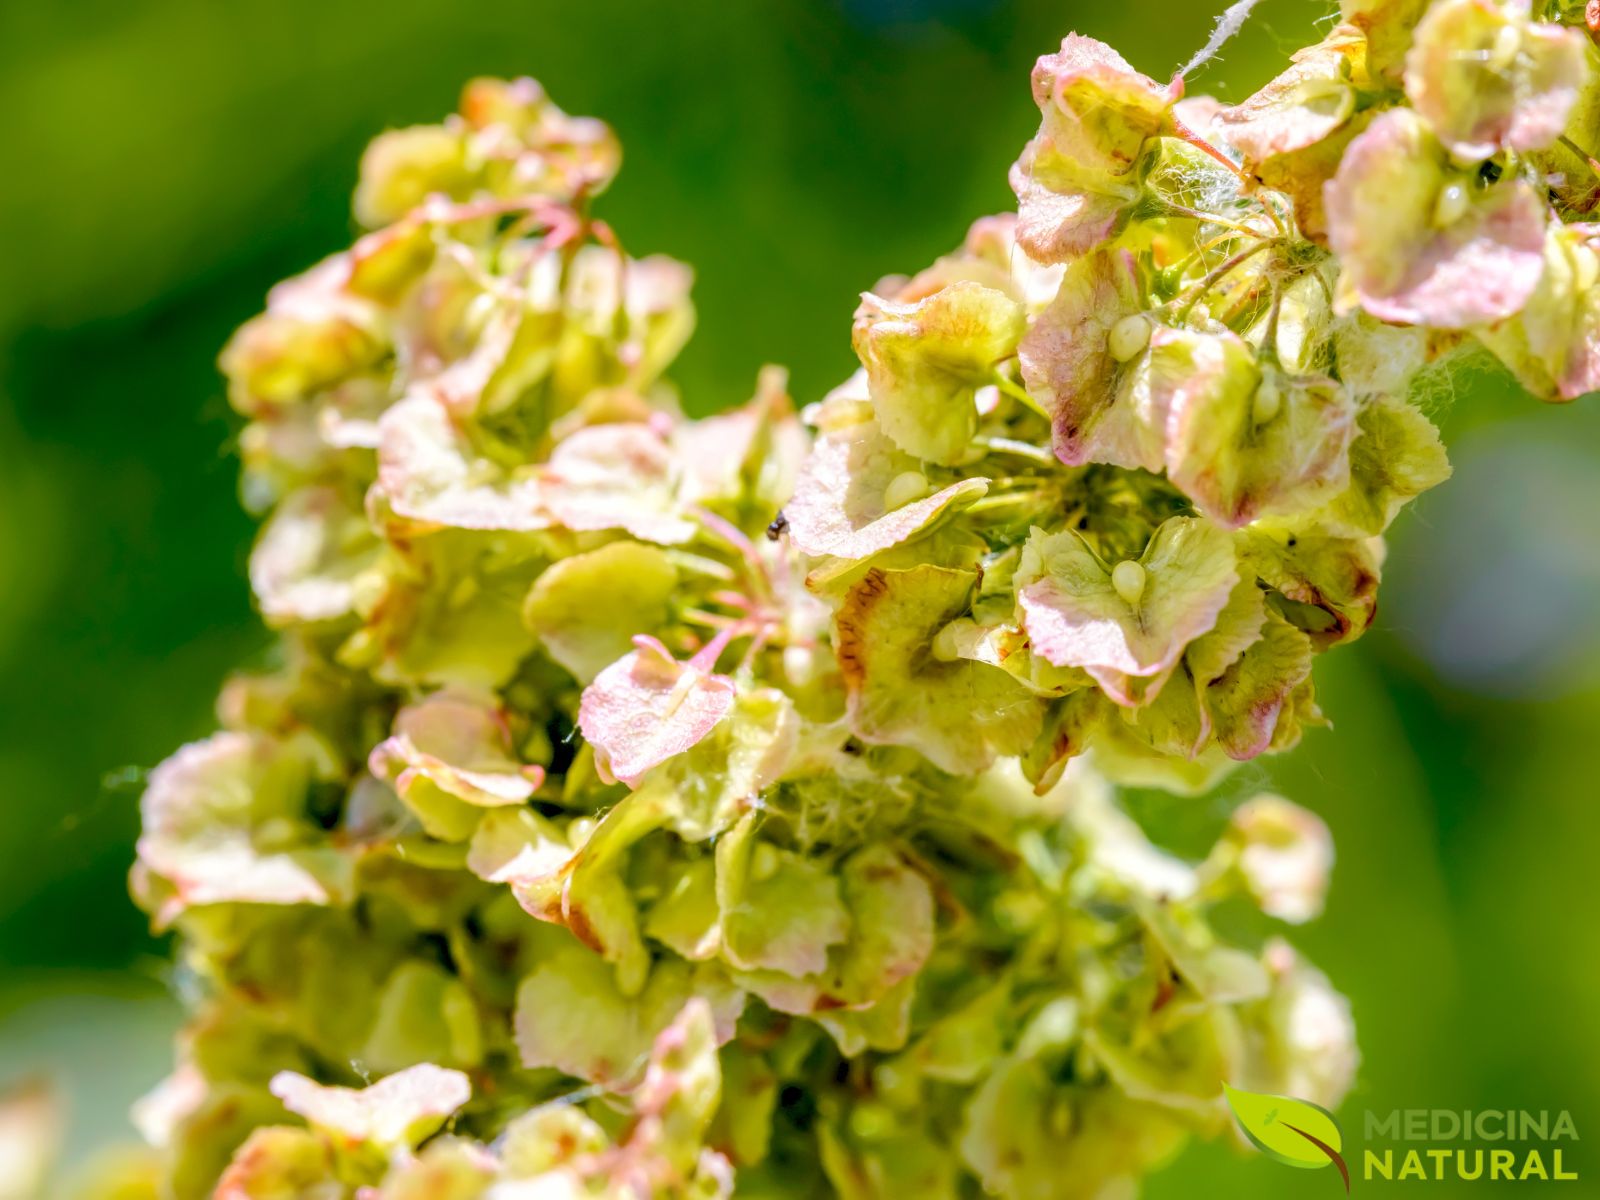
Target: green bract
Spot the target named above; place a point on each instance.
(925, 361)
(1079, 177)
(586, 842)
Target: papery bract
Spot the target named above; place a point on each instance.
(959, 714)
(1243, 441)
(1488, 78)
(842, 501)
(402, 1109)
(459, 744)
(1408, 255)
(571, 1015)
(1553, 345)
(585, 620)
(430, 473)
(1386, 26)
(1396, 456)
(1075, 615)
(647, 707)
(925, 362)
(1300, 107)
(1285, 855)
(1093, 398)
(1076, 180)
(311, 556)
(224, 822)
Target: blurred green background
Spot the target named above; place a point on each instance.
(167, 160)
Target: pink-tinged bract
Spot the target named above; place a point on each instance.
(1076, 180)
(1299, 108)
(647, 707)
(1232, 456)
(1488, 78)
(841, 501)
(403, 1108)
(1069, 367)
(1075, 617)
(1406, 256)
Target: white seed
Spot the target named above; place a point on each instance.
(1451, 205)
(579, 832)
(1128, 578)
(465, 591)
(872, 1121)
(479, 309)
(900, 1087)
(799, 665)
(1086, 1065)
(1332, 99)
(1129, 337)
(275, 833)
(1507, 42)
(367, 589)
(904, 488)
(1267, 402)
(764, 862)
(947, 642)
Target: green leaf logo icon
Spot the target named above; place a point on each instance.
(1295, 1132)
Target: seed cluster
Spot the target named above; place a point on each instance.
(646, 807)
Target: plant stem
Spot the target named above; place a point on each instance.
(1215, 275)
(1019, 394)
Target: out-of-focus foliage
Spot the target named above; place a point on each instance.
(208, 177)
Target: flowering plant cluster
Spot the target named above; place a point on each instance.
(647, 807)
(1138, 457)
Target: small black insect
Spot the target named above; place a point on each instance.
(780, 523)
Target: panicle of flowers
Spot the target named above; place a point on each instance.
(587, 842)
